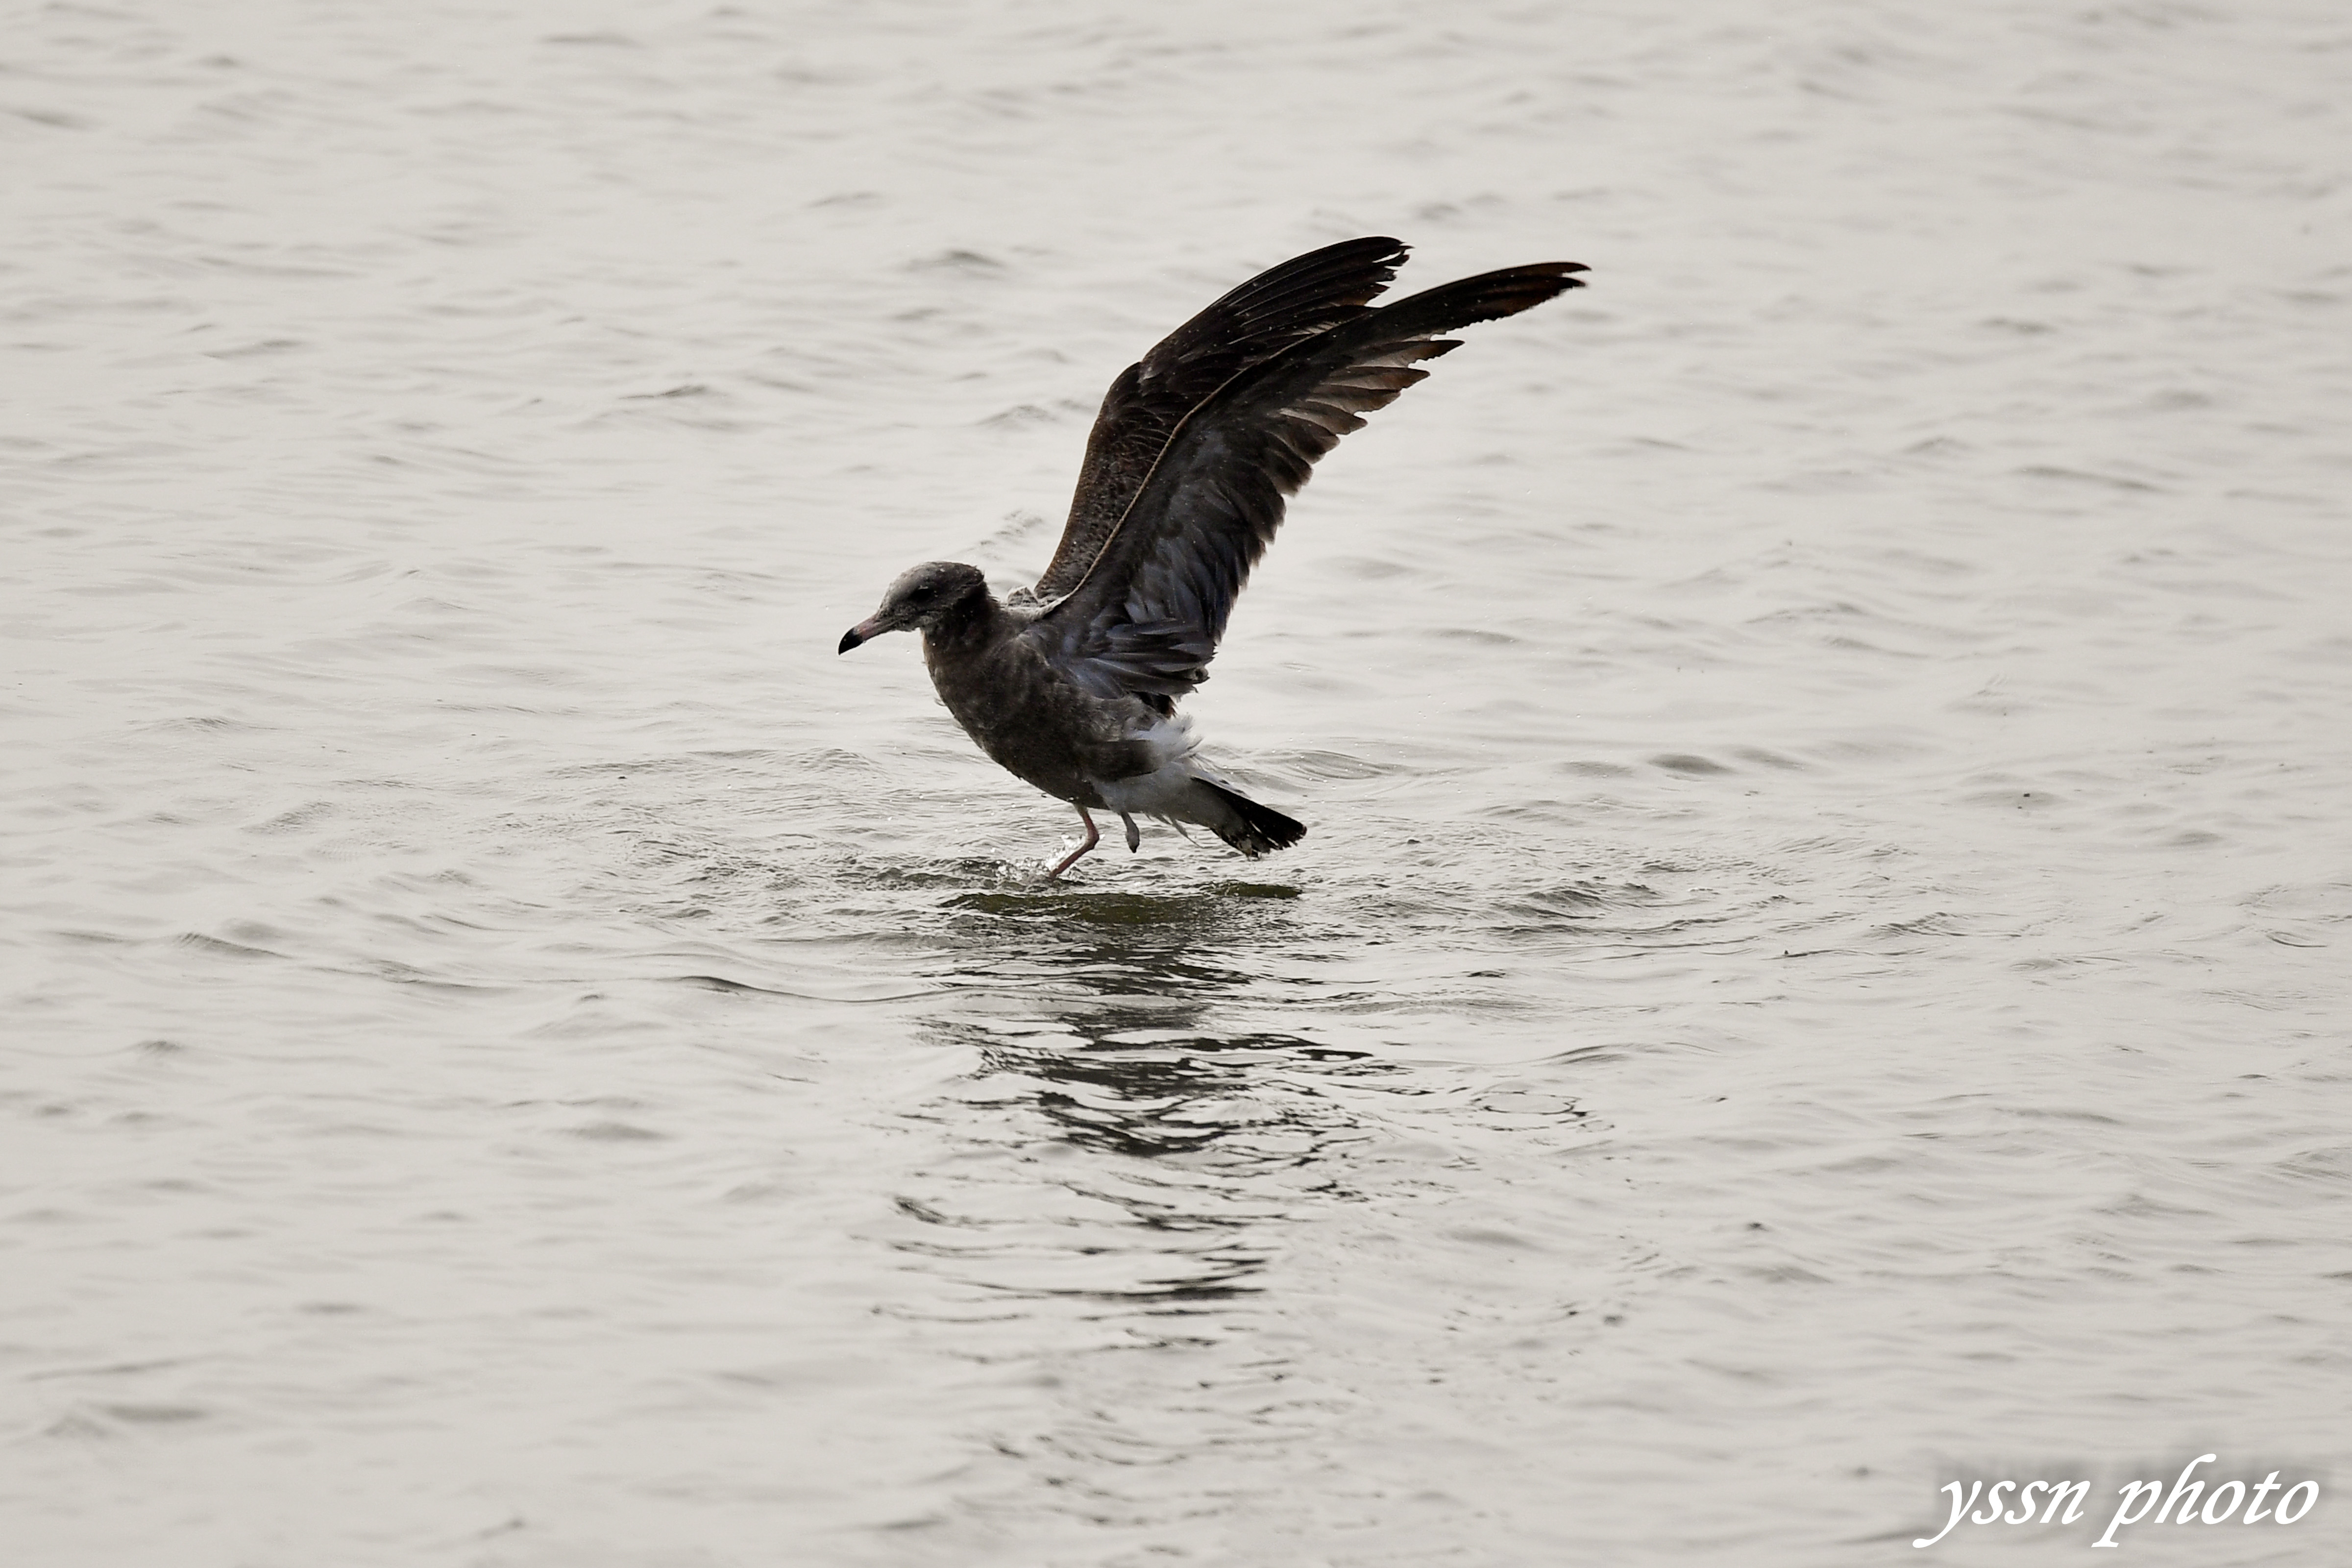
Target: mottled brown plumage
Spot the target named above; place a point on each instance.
(1072, 685)
(1306, 295)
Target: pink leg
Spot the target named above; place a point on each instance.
(1093, 837)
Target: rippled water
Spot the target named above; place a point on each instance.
(1817, 967)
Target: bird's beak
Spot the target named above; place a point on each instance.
(863, 631)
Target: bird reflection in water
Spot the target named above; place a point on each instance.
(1116, 1144)
(1141, 1088)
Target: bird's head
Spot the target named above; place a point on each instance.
(919, 601)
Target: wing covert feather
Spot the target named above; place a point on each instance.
(1146, 617)
(1304, 296)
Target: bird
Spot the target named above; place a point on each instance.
(1072, 685)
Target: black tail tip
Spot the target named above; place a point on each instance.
(1260, 829)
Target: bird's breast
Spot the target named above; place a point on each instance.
(1034, 721)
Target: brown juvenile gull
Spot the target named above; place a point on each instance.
(1072, 685)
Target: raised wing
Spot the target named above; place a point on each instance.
(1304, 295)
(1146, 618)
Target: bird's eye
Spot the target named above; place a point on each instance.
(924, 592)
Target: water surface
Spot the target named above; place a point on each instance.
(1817, 963)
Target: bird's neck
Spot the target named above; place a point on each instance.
(970, 623)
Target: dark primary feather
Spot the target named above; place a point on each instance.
(1146, 617)
(1304, 295)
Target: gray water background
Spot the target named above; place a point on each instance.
(1818, 964)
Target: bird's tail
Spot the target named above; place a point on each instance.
(1240, 821)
